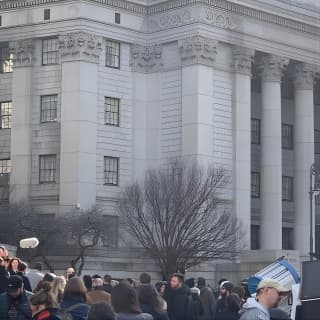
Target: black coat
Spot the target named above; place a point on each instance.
(147, 308)
(4, 275)
(179, 303)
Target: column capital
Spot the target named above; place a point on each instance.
(271, 67)
(303, 75)
(23, 53)
(80, 46)
(198, 49)
(242, 59)
(146, 58)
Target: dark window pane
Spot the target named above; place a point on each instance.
(50, 51)
(255, 185)
(111, 171)
(5, 114)
(49, 108)
(287, 136)
(113, 54)
(255, 131)
(255, 237)
(287, 188)
(47, 169)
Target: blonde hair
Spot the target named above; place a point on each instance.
(57, 287)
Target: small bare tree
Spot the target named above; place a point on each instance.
(87, 229)
(175, 216)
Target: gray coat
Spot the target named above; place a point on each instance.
(254, 310)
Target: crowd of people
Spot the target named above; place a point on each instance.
(29, 294)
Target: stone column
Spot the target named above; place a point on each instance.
(198, 56)
(241, 104)
(303, 76)
(21, 131)
(271, 69)
(80, 54)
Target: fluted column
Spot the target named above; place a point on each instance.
(22, 98)
(271, 69)
(79, 54)
(197, 56)
(241, 96)
(303, 76)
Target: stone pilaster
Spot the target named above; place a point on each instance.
(303, 79)
(79, 56)
(271, 69)
(22, 100)
(241, 104)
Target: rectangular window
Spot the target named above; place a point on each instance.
(255, 184)
(5, 114)
(287, 136)
(47, 168)
(5, 169)
(317, 141)
(111, 171)
(6, 60)
(113, 54)
(111, 111)
(255, 237)
(255, 131)
(49, 108)
(117, 18)
(287, 188)
(287, 238)
(317, 240)
(46, 14)
(49, 51)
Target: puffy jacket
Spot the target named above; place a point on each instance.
(253, 310)
(78, 313)
(139, 316)
(46, 314)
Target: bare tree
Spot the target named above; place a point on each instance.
(176, 216)
(87, 229)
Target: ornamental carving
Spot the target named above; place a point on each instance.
(198, 49)
(303, 75)
(242, 59)
(221, 19)
(22, 53)
(80, 46)
(146, 58)
(271, 67)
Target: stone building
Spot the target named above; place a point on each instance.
(94, 92)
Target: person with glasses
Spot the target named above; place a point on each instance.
(269, 293)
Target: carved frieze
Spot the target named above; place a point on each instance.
(303, 75)
(22, 52)
(221, 19)
(80, 46)
(146, 58)
(198, 49)
(271, 67)
(242, 59)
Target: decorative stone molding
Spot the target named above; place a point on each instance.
(146, 58)
(23, 53)
(303, 75)
(242, 59)
(221, 19)
(198, 49)
(271, 67)
(80, 46)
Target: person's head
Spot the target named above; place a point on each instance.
(97, 284)
(160, 287)
(3, 252)
(124, 299)
(149, 296)
(13, 264)
(190, 282)
(270, 292)
(57, 286)
(2, 262)
(14, 286)
(70, 273)
(101, 311)
(75, 288)
(95, 276)
(145, 278)
(226, 288)
(87, 280)
(107, 279)
(43, 299)
(239, 290)
(49, 277)
(22, 267)
(176, 280)
(201, 282)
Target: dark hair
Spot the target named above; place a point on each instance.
(124, 299)
(159, 285)
(49, 277)
(145, 278)
(96, 276)
(100, 311)
(75, 288)
(233, 301)
(107, 278)
(201, 282)
(11, 260)
(148, 295)
(190, 282)
(240, 291)
(87, 280)
(222, 280)
(180, 276)
(44, 296)
(22, 266)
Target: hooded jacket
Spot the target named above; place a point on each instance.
(253, 310)
(139, 316)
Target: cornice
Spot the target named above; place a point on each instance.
(165, 7)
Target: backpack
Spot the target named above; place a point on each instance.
(65, 314)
